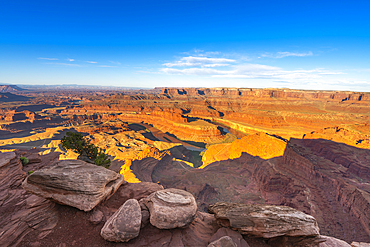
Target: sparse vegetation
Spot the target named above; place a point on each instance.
(88, 152)
(30, 172)
(24, 160)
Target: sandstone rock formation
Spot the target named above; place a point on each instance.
(171, 208)
(21, 213)
(124, 224)
(75, 183)
(325, 179)
(225, 241)
(236, 237)
(264, 220)
(259, 144)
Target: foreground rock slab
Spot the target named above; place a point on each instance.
(124, 224)
(74, 183)
(264, 221)
(171, 208)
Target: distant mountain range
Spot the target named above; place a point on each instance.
(10, 88)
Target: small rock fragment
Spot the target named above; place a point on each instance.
(234, 235)
(96, 216)
(225, 241)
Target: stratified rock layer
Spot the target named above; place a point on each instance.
(265, 221)
(171, 208)
(21, 213)
(74, 183)
(124, 224)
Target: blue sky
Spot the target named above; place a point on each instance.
(187, 43)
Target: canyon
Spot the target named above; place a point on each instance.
(309, 150)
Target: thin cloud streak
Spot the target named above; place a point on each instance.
(191, 61)
(91, 62)
(47, 58)
(287, 54)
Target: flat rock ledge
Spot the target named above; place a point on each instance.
(74, 183)
(124, 224)
(171, 208)
(266, 221)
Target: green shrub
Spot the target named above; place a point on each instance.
(24, 160)
(30, 172)
(77, 143)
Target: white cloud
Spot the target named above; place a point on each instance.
(192, 71)
(227, 70)
(70, 59)
(191, 61)
(253, 71)
(287, 54)
(91, 62)
(47, 58)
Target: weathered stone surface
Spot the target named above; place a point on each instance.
(359, 244)
(333, 242)
(21, 213)
(224, 241)
(265, 221)
(74, 183)
(124, 224)
(34, 158)
(234, 235)
(171, 208)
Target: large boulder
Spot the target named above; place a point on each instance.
(124, 224)
(264, 221)
(74, 183)
(171, 208)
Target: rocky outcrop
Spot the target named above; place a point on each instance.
(21, 213)
(74, 183)
(265, 221)
(171, 208)
(124, 224)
